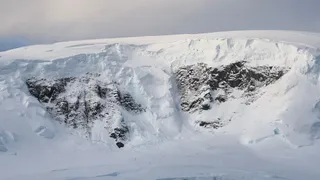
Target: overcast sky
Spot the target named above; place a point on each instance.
(45, 21)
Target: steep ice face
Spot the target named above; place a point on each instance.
(82, 102)
(199, 81)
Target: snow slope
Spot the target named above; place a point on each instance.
(274, 137)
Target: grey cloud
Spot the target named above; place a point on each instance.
(59, 20)
(12, 42)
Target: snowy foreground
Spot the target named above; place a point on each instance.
(266, 127)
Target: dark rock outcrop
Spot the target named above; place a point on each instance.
(200, 85)
(213, 124)
(81, 102)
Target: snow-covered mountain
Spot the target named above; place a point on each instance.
(250, 92)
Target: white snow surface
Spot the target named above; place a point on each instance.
(275, 137)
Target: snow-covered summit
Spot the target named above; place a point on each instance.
(251, 85)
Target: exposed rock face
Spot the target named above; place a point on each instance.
(200, 85)
(92, 101)
(82, 102)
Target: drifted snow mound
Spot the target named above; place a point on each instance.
(138, 90)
